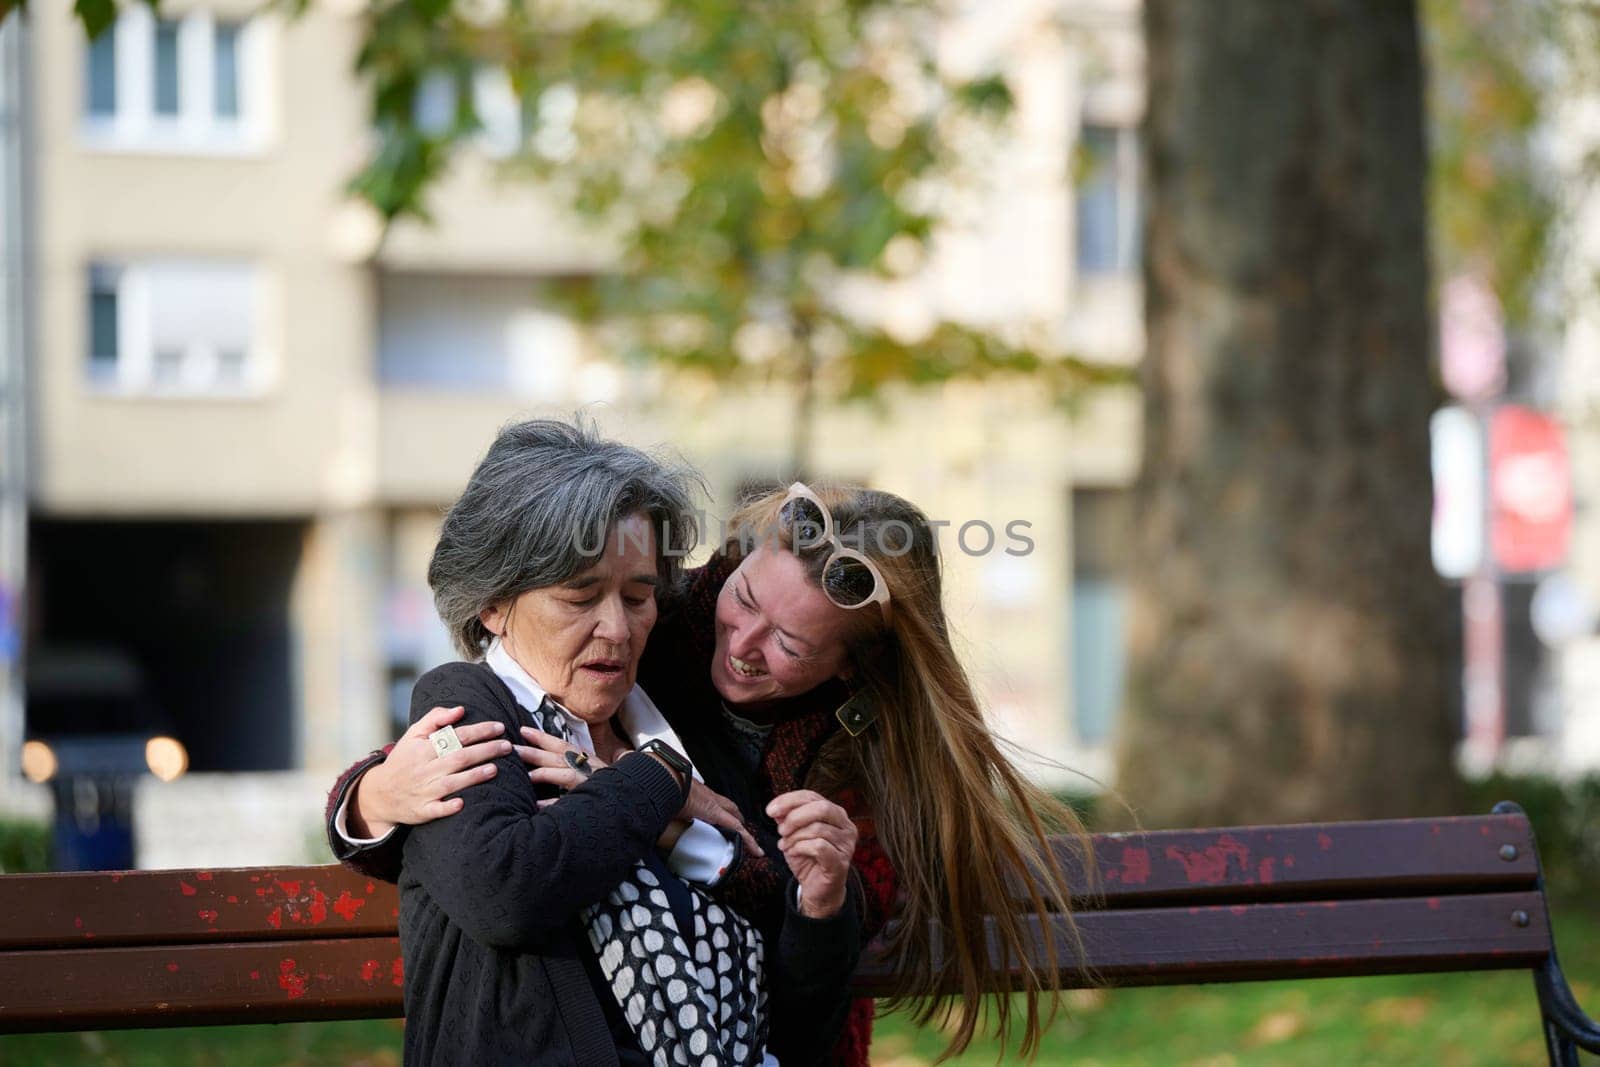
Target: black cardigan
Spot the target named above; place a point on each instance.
(489, 898)
(495, 954)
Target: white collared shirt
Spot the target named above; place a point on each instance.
(702, 853)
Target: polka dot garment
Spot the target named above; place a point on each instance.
(704, 1006)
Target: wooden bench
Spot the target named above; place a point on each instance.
(178, 948)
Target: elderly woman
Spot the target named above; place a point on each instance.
(814, 657)
(557, 927)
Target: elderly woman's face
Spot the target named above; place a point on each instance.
(778, 634)
(581, 640)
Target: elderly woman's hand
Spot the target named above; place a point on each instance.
(414, 784)
(555, 761)
(548, 756)
(818, 840)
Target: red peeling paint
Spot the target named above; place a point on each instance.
(255, 976)
(255, 878)
(292, 888)
(115, 878)
(398, 970)
(1264, 870)
(1324, 842)
(369, 971)
(1210, 865)
(347, 906)
(370, 887)
(1238, 909)
(291, 981)
(1433, 903)
(78, 922)
(204, 876)
(232, 899)
(275, 920)
(319, 908)
(1135, 867)
(207, 915)
(188, 890)
(173, 968)
(394, 913)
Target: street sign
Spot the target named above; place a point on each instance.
(1458, 491)
(1530, 490)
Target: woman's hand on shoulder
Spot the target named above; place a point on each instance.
(818, 841)
(415, 784)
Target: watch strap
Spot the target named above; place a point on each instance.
(677, 761)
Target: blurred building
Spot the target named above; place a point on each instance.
(1570, 389)
(247, 405)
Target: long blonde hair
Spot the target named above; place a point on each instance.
(962, 826)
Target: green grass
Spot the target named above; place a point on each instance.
(1453, 1020)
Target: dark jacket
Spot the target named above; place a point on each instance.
(495, 954)
(489, 898)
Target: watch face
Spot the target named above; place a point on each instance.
(674, 758)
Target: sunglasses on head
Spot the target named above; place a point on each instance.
(849, 578)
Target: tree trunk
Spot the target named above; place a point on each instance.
(1290, 640)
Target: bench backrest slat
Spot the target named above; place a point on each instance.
(192, 985)
(173, 907)
(1308, 939)
(1311, 860)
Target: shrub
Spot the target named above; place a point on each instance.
(24, 847)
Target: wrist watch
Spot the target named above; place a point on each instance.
(676, 761)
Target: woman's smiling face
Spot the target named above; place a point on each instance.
(778, 634)
(581, 640)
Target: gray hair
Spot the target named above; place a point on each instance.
(536, 511)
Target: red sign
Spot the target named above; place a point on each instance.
(1531, 490)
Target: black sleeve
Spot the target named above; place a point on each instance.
(508, 873)
(381, 860)
(810, 979)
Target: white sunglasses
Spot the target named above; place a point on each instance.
(845, 569)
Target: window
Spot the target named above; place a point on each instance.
(1108, 200)
(1101, 527)
(166, 70)
(225, 70)
(189, 84)
(475, 334)
(102, 322)
(174, 327)
(102, 71)
(503, 124)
